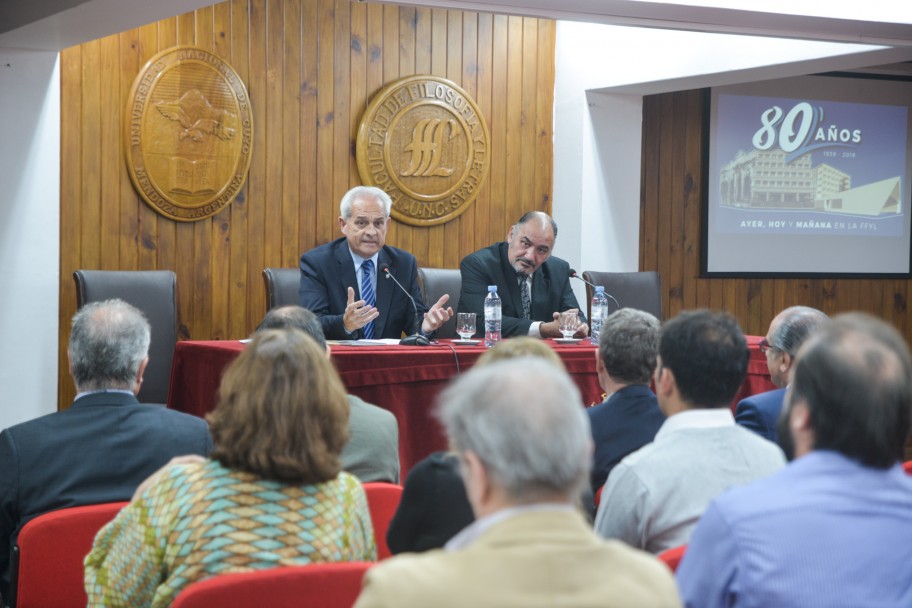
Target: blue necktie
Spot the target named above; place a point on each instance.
(367, 293)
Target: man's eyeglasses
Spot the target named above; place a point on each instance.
(765, 346)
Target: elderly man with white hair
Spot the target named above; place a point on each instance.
(523, 442)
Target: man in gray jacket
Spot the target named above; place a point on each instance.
(372, 451)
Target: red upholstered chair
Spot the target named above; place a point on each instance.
(334, 585)
(50, 553)
(672, 557)
(383, 500)
(907, 466)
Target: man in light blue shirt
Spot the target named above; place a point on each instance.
(834, 528)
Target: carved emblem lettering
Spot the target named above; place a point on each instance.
(189, 133)
(423, 140)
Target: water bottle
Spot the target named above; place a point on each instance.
(599, 313)
(492, 317)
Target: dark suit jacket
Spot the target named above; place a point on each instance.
(489, 266)
(760, 412)
(327, 272)
(625, 422)
(99, 450)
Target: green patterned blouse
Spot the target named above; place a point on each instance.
(198, 520)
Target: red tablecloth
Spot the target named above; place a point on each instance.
(402, 379)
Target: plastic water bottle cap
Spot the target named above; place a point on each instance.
(492, 288)
(599, 289)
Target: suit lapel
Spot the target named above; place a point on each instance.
(385, 289)
(346, 273)
(541, 289)
(512, 298)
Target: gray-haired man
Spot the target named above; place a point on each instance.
(522, 437)
(106, 443)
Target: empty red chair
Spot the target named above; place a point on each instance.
(908, 466)
(334, 585)
(382, 500)
(50, 552)
(672, 557)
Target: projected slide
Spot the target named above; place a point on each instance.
(809, 176)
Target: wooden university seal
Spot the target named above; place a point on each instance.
(423, 140)
(189, 133)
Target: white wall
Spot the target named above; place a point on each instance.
(29, 232)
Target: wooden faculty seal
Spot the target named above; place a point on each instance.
(423, 140)
(189, 133)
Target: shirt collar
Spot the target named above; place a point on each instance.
(109, 390)
(358, 260)
(476, 529)
(704, 418)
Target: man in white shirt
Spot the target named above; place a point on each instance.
(654, 497)
(522, 439)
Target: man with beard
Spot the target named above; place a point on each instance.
(834, 528)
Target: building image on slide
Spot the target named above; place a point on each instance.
(761, 179)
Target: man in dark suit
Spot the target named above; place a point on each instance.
(331, 274)
(630, 417)
(102, 447)
(522, 263)
(787, 332)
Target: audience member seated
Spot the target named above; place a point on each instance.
(372, 451)
(271, 495)
(834, 528)
(654, 497)
(106, 443)
(523, 443)
(787, 332)
(630, 416)
(434, 506)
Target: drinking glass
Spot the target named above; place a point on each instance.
(465, 324)
(569, 322)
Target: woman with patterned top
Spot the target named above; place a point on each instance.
(271, 495)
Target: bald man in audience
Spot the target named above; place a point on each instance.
(787, 332)
(372, 451)
(102, 447)
(834, 528)
(522, 439)
(654, 497)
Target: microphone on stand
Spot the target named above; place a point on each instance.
(573, 275)
(416, 339)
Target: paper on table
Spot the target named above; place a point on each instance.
(380, 342)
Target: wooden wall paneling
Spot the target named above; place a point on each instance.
(71, 208)
(544, 114)
(399, 62)
(327, 206)
(649, 196)
(288, 220)
(692, 195)
(445, 254)
(664, 200)
(469, 78)
(676, 201)
(342, 162)
(220, 226)
(309, 89)
(238, 211)
(310, 67)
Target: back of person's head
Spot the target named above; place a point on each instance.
(294, 317)
(628, 344)
(855, 377)
(708, 354)
(282, 412)
(522, 346)
(795, 325)
(108, 343)
(524, 420)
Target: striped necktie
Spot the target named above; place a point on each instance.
(367, 294)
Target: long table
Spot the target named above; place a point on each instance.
(402, 379)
